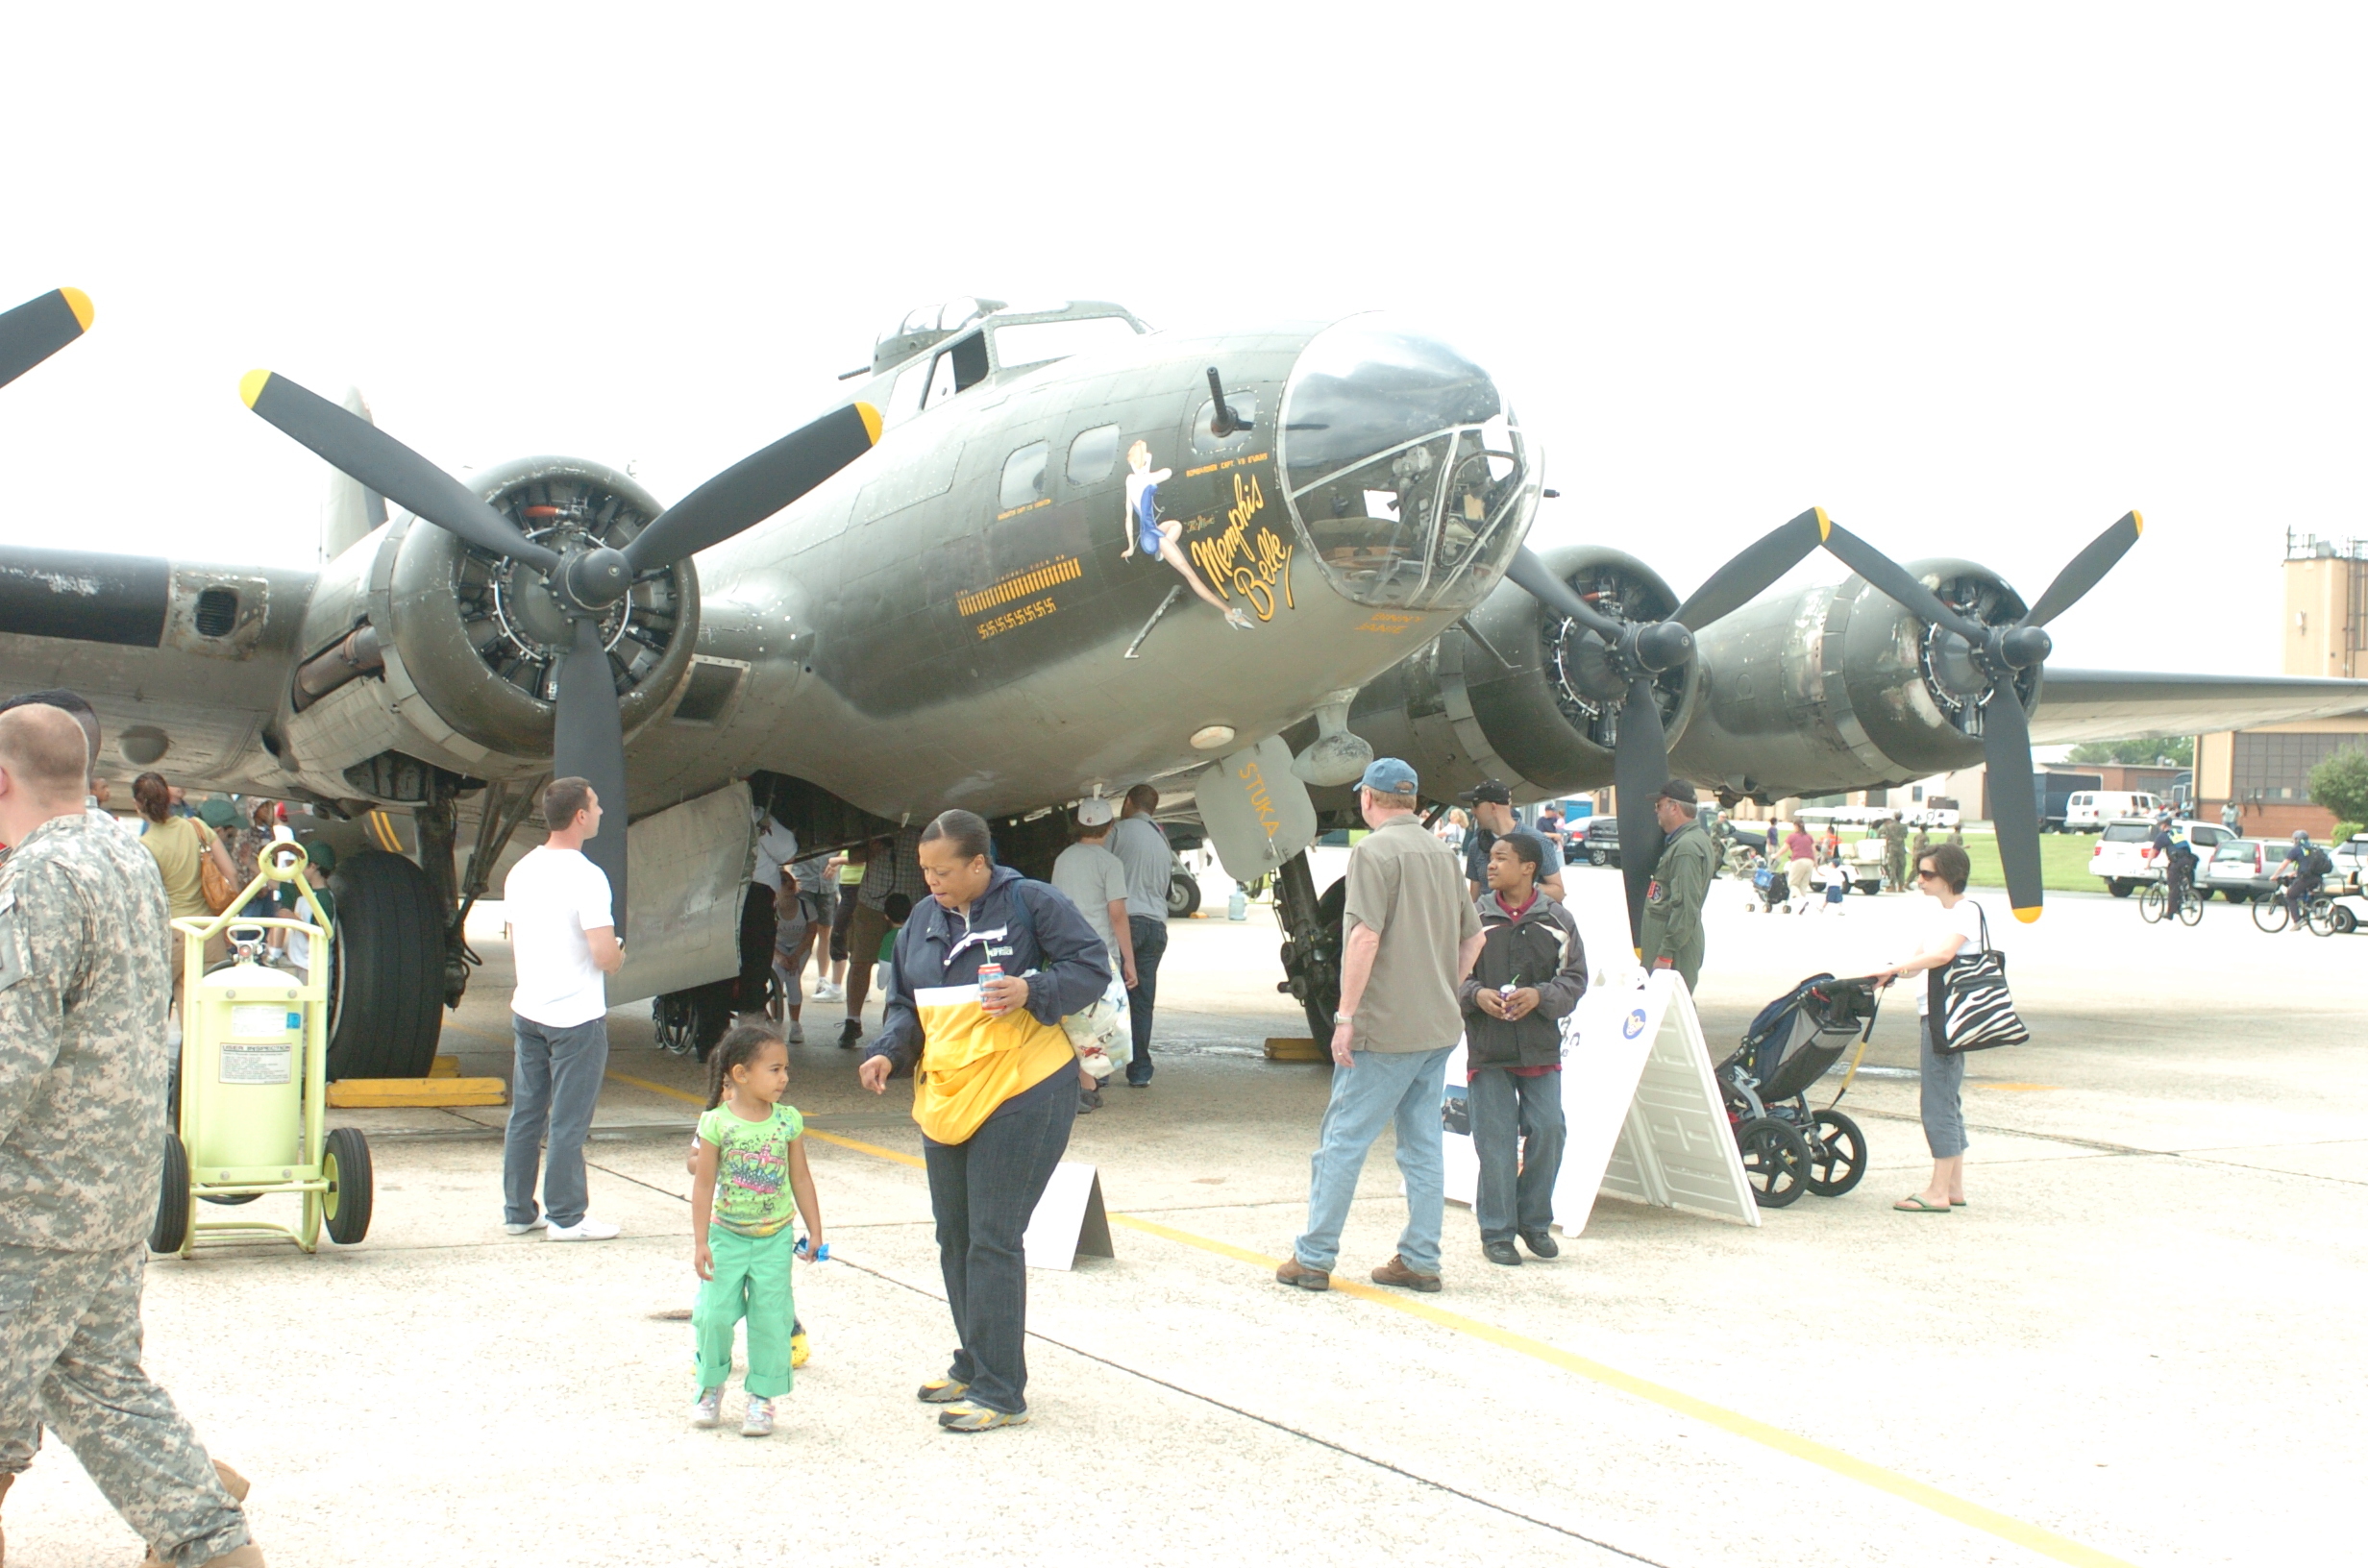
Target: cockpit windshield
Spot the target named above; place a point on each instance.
(1406, 472)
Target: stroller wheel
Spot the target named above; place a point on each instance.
(1836, 1155)
(1776, 1161)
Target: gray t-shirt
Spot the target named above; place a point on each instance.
(1143, 849)
(1404, 885)
(1092, 876)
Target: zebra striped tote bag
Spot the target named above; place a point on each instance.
(1970, 1002)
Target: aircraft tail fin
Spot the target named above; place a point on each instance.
(351, 511)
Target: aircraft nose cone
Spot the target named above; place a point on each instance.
(1406, 471)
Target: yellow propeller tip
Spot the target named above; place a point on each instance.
(2137, 520)
(251, 385)
(79, 302)
(1825, 524)
(2027, 916)
(870, 421)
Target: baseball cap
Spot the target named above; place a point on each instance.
(218, 813)
(1387, 775)
(1490, 792)
(1093, 810)
(323, 856)
(1679, 790)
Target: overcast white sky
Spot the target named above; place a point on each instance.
(1976, 281)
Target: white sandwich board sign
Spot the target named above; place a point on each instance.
(1644, 1118)
(1068, 1222)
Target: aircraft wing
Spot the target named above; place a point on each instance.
(184, 663)
(2119, 704)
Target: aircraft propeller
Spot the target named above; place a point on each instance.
(1996, 655)
(588, 737)
(39, 328)
(1638, 650)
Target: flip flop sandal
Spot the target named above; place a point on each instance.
(1917, 1206)
(1956, 1203)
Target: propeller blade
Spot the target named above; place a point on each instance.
(1890, 578)
(1639, 766)
(589, 744)
(39, 328)
(360, 450)
(756, 486)
(2013, 806)
(1750, 574)
(1538, 581)
(2082, 572)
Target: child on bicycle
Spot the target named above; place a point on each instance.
(750, 1180)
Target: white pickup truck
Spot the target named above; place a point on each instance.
(2124, 859)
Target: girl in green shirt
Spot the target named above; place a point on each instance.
(750, 1180)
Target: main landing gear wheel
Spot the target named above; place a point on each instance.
(1836, 1155)
(1776, 1161)
(690, 1022)
(171, 1231)
(1311, 951)
(386, 991)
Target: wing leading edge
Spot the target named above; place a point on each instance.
(2119, 704)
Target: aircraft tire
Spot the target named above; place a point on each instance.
(386, 995)
(1183, 895)
(1324, 1002)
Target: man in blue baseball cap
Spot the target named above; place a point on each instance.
(1410, 939)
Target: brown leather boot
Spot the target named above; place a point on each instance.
(237, 1485)
(1395, 1272)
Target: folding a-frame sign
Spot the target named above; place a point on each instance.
(1646, 1119)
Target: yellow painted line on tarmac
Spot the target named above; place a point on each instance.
(1907, 1488)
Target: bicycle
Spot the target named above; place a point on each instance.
(2319, 913)
(2154, 900)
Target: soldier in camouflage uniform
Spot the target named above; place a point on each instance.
(82, 991)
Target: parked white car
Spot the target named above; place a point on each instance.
(2125, 857)
(2087, 811)
(2351, 857)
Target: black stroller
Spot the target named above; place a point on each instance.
(1787, 1148)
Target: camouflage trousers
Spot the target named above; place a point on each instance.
(70, 1358)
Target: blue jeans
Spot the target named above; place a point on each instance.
(1151, 939)
(1404, 1085)
(983, 1192)
(555, 1082)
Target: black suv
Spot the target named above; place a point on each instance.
(1595, 839)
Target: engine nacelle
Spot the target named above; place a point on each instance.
(422, 649)
(1522, 696)
(1837, 688)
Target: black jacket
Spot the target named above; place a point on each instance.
(1030, 928)
(1540, 949)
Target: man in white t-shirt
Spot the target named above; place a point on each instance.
(563, 938)
(1094, 880)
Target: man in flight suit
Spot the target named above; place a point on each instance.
(1672, 937)
(82, 991)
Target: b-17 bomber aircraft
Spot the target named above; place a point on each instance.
(1028, 557)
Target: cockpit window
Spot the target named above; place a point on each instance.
(959, 366)
(1034, 342)
(1406, 472)
(1207, 443)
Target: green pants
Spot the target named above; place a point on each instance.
(752, 1281)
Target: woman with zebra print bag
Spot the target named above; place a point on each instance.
(1973, 1012)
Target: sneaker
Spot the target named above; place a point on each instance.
(1541, 1242)
(534, 1224)
(825, 991)
(1295, 1272)
(849, 1032)
(708, 1410)
(759, 1421)
(586, 1229)
(968, 1417)
(1496, 1252)
(1395, 1272)
(943, 1391)
(797, 1032)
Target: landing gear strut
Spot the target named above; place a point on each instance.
(1311, 942)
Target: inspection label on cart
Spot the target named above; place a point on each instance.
(256, 1063)
(263, 1021)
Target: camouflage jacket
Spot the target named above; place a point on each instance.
(84, 980)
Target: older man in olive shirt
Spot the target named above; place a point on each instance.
(1412, 937)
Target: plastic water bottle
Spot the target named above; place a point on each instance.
(1237, 904)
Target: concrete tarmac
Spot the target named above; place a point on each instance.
(2141, 1338)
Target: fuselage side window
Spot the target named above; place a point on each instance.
(1023, 476)
(1093, 455)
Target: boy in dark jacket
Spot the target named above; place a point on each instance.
(1531, 972)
